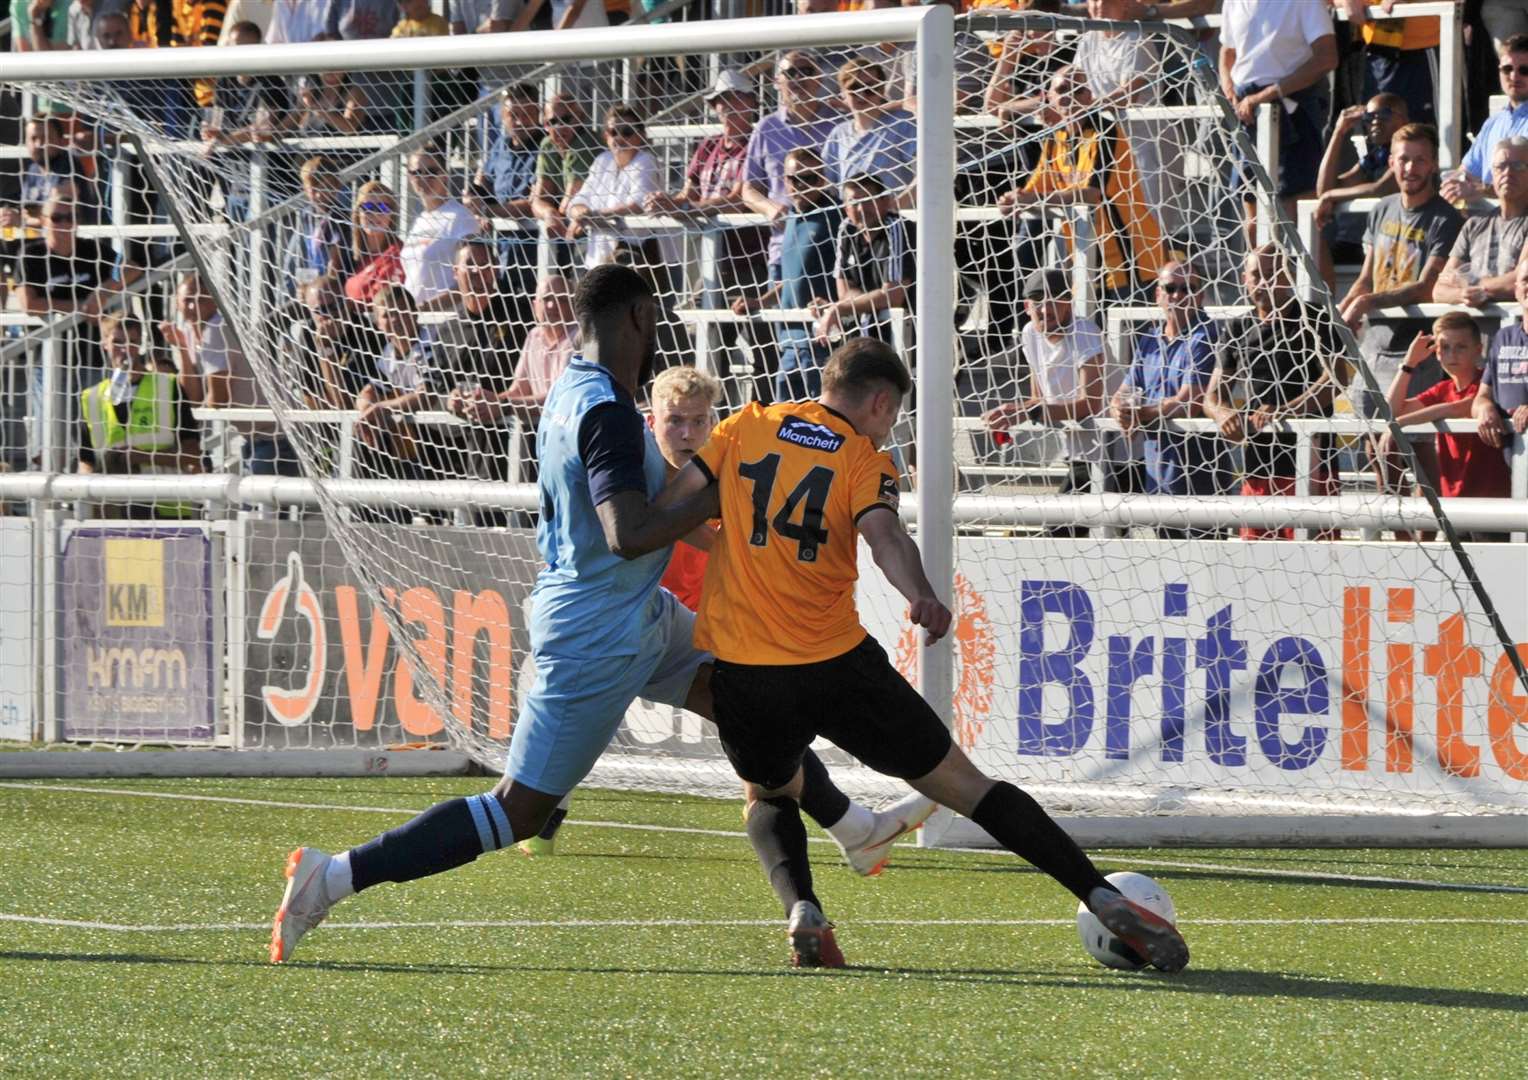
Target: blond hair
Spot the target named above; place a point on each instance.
(682, 383)
(372, 189)
(113, 321)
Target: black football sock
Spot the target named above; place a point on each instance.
(1020, 824)
(553, 823)
(820, 798)
(779, 839)
(447, 835)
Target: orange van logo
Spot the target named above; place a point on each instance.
(293, 707)
(975, 651)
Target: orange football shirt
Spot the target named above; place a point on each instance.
(795, 480)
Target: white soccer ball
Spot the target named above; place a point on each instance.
(1102, 945)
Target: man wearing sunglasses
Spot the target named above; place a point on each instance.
(1472, 179)
(1172, 367)
(562, 166)
(1341, 234)
(806, 117)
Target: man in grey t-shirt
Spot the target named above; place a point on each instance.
(1484, 260)
(1407, 241)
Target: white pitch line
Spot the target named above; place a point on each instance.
(401, 811)
(1225, 868)
(660, 924)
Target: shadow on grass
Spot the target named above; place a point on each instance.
(1219, 982)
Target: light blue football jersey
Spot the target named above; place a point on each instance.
(587, 601)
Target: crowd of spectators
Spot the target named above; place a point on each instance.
(448, 289)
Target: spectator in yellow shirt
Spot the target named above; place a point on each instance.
(417, 20)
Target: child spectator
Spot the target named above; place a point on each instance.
(1457, 465)
(875, 267)
(323, 247)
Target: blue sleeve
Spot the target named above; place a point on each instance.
(1474, 161)
(612, 447)
(1203, 353)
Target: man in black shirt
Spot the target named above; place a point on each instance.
(334, 344)
(62, 274)
(478, 346)
(1275, 364)
(250, 109)
(50, 162)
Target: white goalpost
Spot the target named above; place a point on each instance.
(1119, 649)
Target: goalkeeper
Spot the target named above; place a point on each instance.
(602, 632)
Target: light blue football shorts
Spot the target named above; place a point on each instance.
(576, 704)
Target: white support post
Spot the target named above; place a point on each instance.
(1519, 476)
(1304, 460)
(1083, 259)
(45, 647)
(1305, 225)
(935, 381)
(1449, 98)
(257, 201)
(222, 733)
(236, 581)
(1268, 153)
(421, 98)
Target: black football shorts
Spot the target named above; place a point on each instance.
(767, 715)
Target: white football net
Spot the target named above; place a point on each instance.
(1154, 616)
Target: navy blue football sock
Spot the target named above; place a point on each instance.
(447, 835)
(553, 823)
(820, 798)
(1019, 823)
(779, 839)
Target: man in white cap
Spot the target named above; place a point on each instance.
(713, 184)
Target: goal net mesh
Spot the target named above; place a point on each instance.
(1142, 624)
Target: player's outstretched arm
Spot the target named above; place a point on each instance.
(634, 527)
(898, 557)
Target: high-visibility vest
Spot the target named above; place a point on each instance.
(150, 424)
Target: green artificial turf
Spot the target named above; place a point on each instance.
(561, 988)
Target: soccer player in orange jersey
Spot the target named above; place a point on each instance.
(798, 483)
(683, 401)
